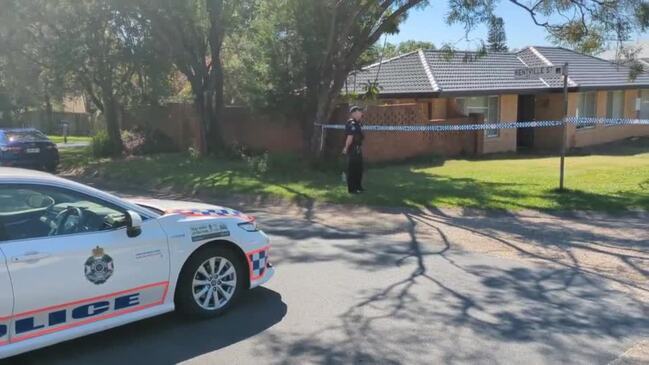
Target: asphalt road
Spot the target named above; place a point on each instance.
(413, 288)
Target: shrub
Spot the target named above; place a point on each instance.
(140, 141)
(102, 146)
(257, 161)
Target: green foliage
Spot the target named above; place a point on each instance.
(372, 91)
(497, 39)
(373, 54)
(140, 141)
(585, 26)
(102, 146)
(296, 51)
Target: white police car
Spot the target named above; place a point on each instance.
(75, 260)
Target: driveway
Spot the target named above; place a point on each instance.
(364, 286)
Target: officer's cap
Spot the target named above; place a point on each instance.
(355, 108)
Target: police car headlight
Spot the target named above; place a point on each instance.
(249, 226)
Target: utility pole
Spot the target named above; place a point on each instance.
(564, 131)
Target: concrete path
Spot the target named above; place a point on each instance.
(360, 286)
(72, 145)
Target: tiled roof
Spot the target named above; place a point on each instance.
(494, 71)
(433, 72)
(592, 72)
(399, 75)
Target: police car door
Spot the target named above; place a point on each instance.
(6, 300)
(72, 262)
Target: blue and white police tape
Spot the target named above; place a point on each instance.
(491, 126)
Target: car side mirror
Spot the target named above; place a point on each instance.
(133, 224)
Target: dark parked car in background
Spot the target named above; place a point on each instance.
(27, 148)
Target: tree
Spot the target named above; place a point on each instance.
(411, 45)
(586, 26)
(389, 50)
(497, 39)
(191, 34)
(24, 84)
(332, 36)
(90, 47)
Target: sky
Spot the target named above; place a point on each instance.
(429, 24)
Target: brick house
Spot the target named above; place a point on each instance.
(464, 85)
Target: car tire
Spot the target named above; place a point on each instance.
(51, 168)
(200, 286)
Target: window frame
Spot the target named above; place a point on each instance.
(4, 239)
(462, 103)
(580, 103)
(610, 105)
(643, 95)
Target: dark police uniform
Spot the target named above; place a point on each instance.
(354, 156)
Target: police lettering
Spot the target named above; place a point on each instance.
(45, 320)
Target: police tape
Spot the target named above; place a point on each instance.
(492, 126)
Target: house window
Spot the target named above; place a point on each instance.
(487, 106)
(587, 108)
(430, 110)
(615, 104)
(644, 104)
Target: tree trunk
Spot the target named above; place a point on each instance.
(215, 77)
(199, 104)
(215, 107)
(112, 123)
(325, 102)
(49, 114)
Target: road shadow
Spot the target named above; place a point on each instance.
(472, 310)
(167, 339)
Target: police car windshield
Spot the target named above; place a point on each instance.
(25, 136)
(156, 211)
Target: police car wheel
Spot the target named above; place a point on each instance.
(210, 283)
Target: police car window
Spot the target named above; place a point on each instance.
(28, 211)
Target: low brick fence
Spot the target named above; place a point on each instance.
(279, 134)
(395, 146)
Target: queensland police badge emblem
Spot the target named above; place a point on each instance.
(99, 266)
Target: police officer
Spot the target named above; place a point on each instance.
(353, 149)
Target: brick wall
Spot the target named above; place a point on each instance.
(506, 140)
(602, 133)
(550, 107)
(395, 146)
(240, 127)
(80, 124)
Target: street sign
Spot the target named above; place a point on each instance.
(536, 72)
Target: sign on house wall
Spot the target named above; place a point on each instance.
(536, 72)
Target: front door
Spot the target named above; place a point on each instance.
(72, 262)
(526, 113)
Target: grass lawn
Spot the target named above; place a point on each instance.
(614, 178)
(71, 139)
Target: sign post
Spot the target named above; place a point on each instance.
(526, 73)
(564, 127)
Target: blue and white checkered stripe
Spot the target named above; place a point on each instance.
(258, 261)
(211, 212)
(491, 126)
